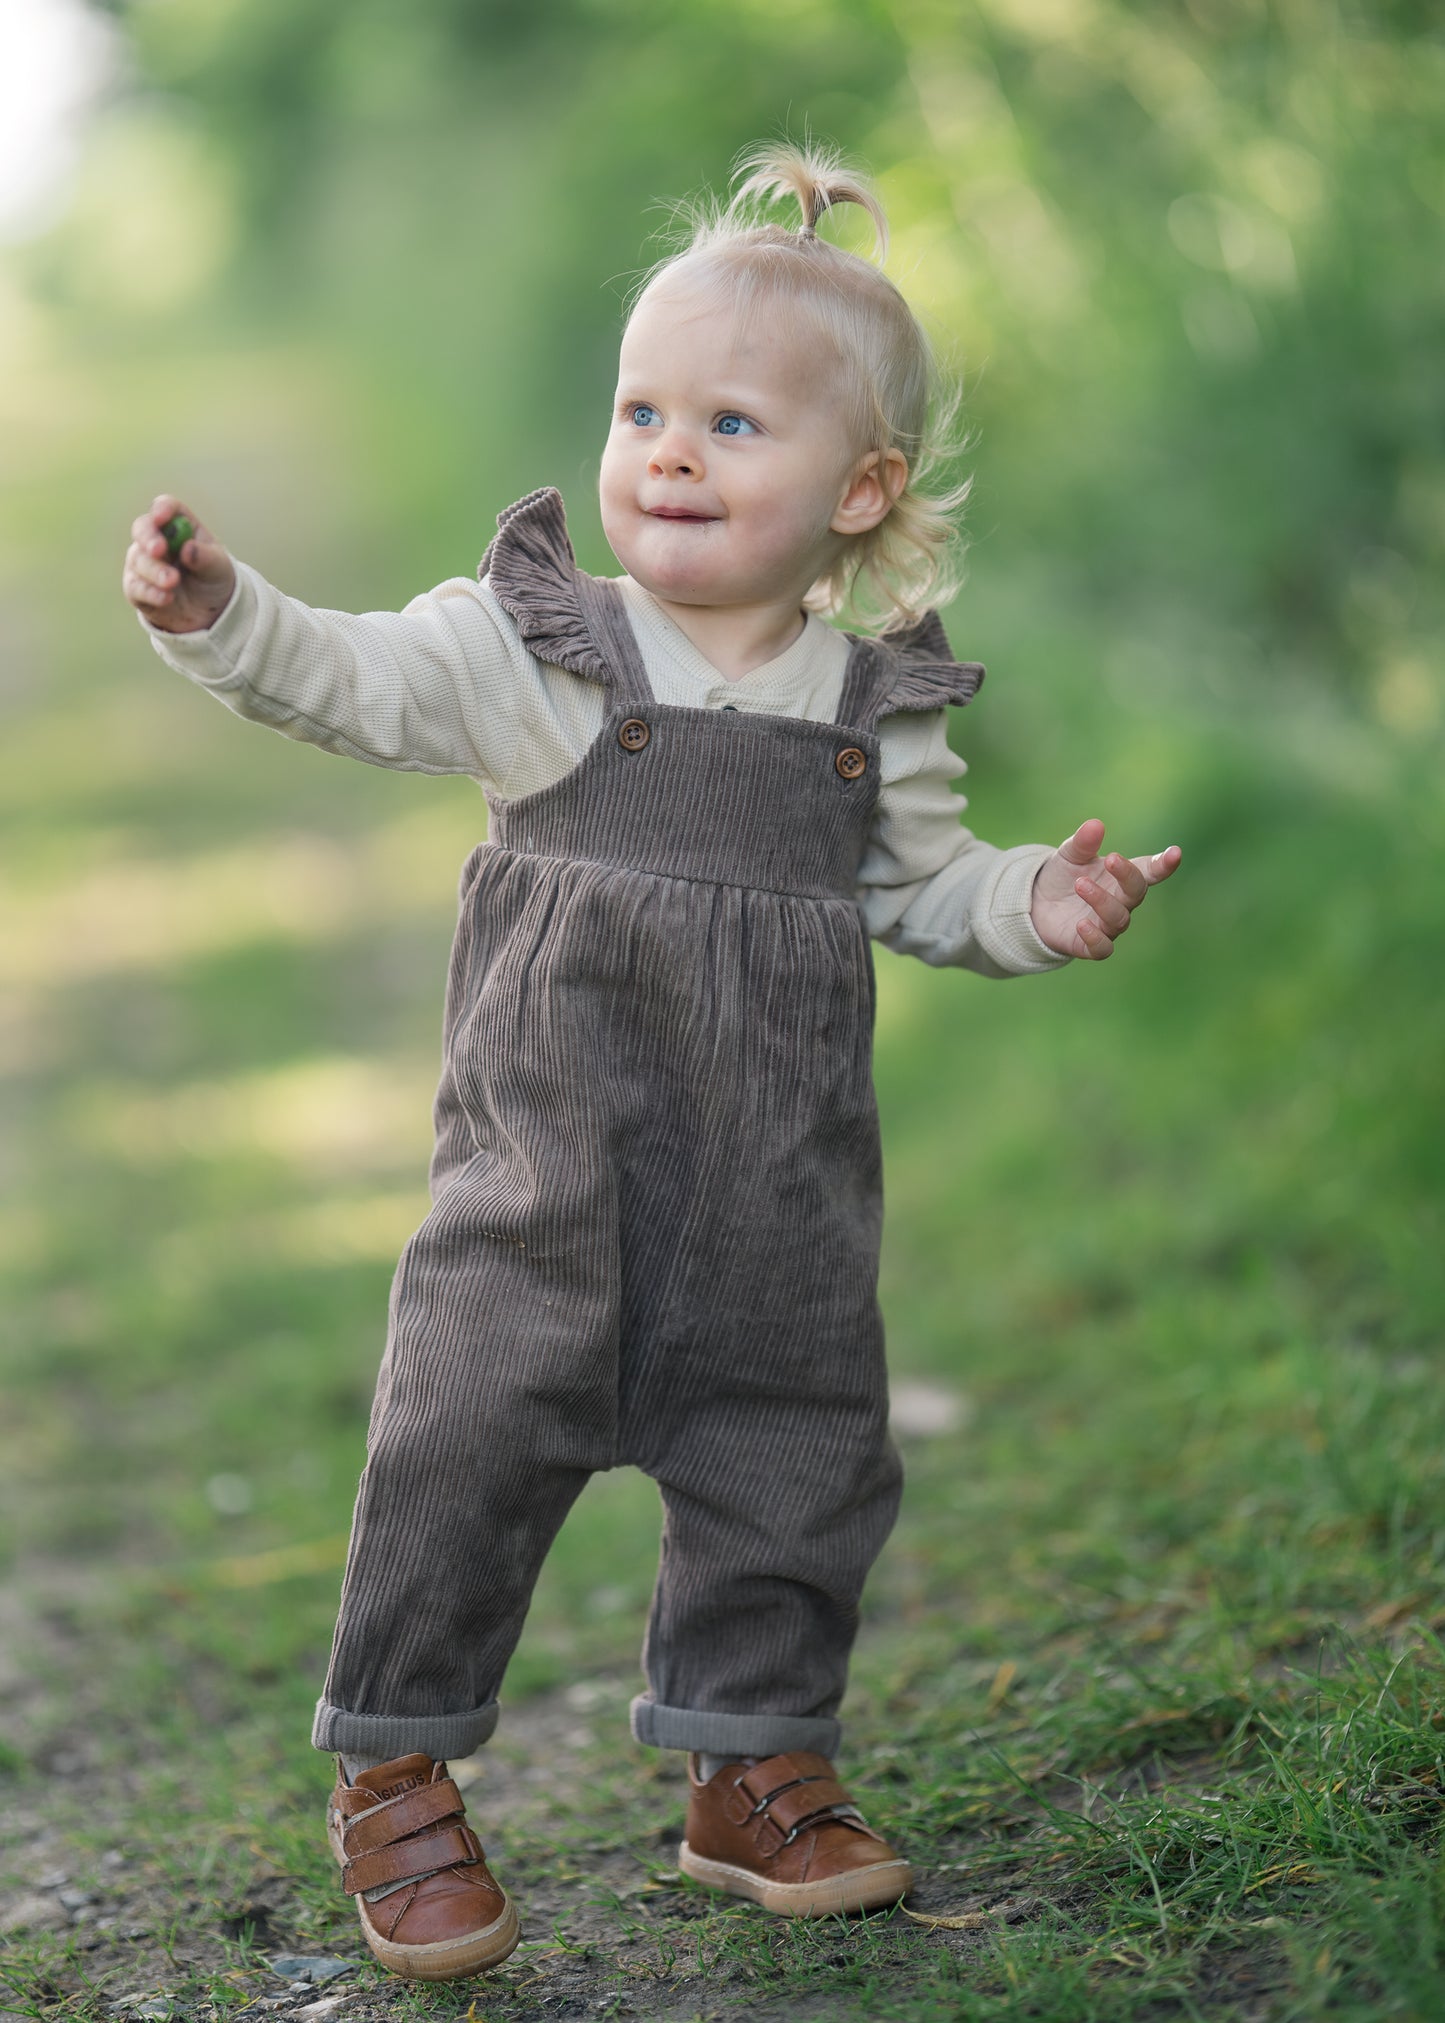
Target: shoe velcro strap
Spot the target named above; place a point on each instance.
(812, 1803)
(763, 1785)
(774, 1772)
(800, 1801)
(445, 1848)
(762, 1782)
(769, 1838)
(394, 1818)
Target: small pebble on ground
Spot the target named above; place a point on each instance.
(311, 1969)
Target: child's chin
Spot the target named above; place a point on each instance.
(683, 585)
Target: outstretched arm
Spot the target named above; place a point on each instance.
(435, 688)
(1083, 902)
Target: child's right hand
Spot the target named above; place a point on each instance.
(185, 598)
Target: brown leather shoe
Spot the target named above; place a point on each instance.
(403, 1823)
(786, 1834)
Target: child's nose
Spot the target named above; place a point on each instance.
(675, 455)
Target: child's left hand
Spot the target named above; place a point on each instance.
(1082, 902)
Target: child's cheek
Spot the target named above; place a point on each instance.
(784, 524)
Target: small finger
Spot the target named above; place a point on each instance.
(143, 554)
(148, 542)
(1097, 945)
(1112, 912)
(1157, 868)
(152, 570)
(1131, 880)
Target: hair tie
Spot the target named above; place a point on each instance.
(807, 231)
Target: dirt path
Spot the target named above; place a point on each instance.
(105, 1939)
(94, 1926)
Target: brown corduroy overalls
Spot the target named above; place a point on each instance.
(657, 1209)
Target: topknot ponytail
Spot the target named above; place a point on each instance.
(817, 177)
(862, 330)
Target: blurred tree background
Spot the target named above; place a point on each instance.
(349, 278)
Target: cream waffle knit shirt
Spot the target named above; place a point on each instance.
(446, 686)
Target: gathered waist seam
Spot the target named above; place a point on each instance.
(675, 877)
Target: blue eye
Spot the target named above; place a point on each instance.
(734, 424)
(642, 415)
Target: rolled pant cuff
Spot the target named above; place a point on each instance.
(732, 1734)
(383, 1736)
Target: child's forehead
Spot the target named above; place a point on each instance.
(691, 330)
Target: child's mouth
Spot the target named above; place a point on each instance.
(674, 513)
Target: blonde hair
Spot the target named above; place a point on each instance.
(895, 394)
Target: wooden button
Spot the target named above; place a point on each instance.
(851, 762)
(633, 735)
(732, 706)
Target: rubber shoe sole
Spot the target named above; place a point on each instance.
(856, 1889)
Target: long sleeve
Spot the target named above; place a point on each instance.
(435, 688)
(928, 886)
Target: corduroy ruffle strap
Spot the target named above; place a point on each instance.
(904, 671)
(566, 617)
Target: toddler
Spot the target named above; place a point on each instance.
(656, 1202)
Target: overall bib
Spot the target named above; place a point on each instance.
(657, 1206)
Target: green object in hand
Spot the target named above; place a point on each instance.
(177, 530)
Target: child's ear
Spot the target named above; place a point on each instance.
(876, 482)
